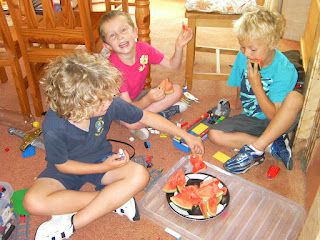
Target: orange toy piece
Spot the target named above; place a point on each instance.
(168, 87)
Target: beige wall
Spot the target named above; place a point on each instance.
(296, 14)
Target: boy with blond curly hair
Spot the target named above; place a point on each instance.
(270, 106)
(81, 91)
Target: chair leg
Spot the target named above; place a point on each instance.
(3, 75)
(125, 6)
(34, 88)
(190, 54)
(21, 88)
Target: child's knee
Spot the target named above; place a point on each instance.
(295, 98)
(141, 175)
(214, 136)
(31, 204)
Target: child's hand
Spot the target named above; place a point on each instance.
(156, 94)
(253, 74)
(115, 161)
(184, 37)
(195, 144)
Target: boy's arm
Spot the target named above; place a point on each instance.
(235, 105)
(174, 62)
(254, 78)
(154, 95)
(162, 124)
(81, 168)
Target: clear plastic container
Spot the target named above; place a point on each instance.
(6, 210)
(253, 212)
(15, 119)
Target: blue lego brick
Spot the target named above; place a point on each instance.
(30, 151)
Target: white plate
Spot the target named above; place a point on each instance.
(195, 213)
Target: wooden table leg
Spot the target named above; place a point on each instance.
(3, 75)
(190, 54)
(142, 15)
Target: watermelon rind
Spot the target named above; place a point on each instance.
(182, 201)
(212, 206)
(169, 188)
(177, 179)
(203, 208)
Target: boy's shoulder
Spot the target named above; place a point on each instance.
(281, 62)
(52, 120)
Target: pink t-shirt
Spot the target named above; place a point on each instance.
(134, 77)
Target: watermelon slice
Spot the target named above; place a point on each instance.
(203, 208)
(177, 179)
(212, 206)
(168, 87)
(219, 199)
(259, 61)
(188, 189)
(198, 163)
(184, 27)
(224, 189)
(186, 200)
(209, 190)
(209, 181)
(205, 192)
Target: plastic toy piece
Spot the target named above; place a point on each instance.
(31, 138)
(155, 174)
(149, 161)
(21, 230)
(273, 172)
(201, 126)
(36, 124)
(147, 144)
(29, 151)
(121, 154)
(7, 149)
(191, 97)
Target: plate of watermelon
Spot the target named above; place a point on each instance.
(197, 196)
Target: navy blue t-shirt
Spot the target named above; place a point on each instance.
(64, 141)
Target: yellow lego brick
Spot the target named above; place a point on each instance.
(221, 157)
(200, 129)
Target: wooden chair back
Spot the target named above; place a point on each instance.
(9, 57)
(120, 4)
(51, 33)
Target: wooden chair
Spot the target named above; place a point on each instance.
(59, 33)
(9, 56)
(118, 4)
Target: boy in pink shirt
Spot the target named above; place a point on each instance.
(119, 34)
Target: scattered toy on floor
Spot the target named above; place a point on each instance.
(29, 151)
(31, 138)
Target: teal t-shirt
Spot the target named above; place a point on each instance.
(278, 79)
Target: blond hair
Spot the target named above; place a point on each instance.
(77, 84)
(260, 24)
(108, 16)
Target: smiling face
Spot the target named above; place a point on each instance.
(119, 35)
(257, 49)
